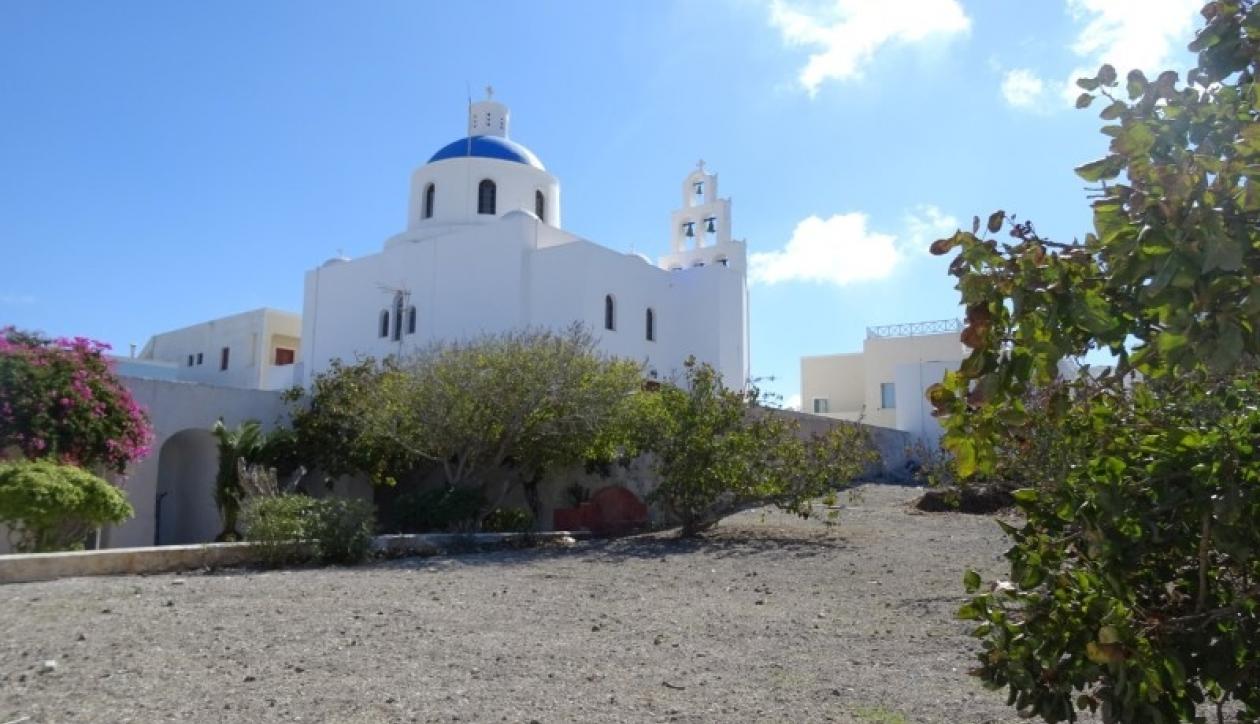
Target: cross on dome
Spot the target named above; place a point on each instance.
(489, 92)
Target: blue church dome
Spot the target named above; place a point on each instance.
(488, 147)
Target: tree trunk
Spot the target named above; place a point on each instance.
(532, 497)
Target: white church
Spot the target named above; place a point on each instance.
(484, 251)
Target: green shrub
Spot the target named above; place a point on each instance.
(51, 507)
(280, 525)
(717, 451)
(439, 510)
(343, 530)
(297, 528)
(508, 520)
(1132, 587)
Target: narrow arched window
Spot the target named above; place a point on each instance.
(383, 326)
(540, 206)
(485, 197)
(411, 319)
(429, 192)
(651, 325)
(610, 313)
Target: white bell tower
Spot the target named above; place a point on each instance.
(488, 117)
(701, 233)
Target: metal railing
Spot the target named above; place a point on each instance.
(915, 329)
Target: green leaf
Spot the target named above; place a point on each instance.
(964, 457)
(995, 221)
(1097, 170)
(1025, 495)
(1084, 99)
(1091, 312)
(1135, 139)
(971, 581)
(1135, 83)
(1228, 349)
(970, 611)
(1113, 111)
(1107, 75)
(1223, 253)
(1170, 342)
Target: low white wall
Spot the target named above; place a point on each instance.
(25, 567)
(162, 559)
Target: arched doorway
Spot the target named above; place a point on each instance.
(185, 511)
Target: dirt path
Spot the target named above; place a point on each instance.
(770, 619)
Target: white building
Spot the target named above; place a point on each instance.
(253, 350)
(886, 383)
(483, 251)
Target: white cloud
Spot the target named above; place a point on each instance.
(925, 225)
(1128, 34)
(793, 402)
(1022, 88)
(17, 299)
(837, 250)
(846, 35)
(842, 249)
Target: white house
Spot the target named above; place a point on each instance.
(252, 350)
(886, 383)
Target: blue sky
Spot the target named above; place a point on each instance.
(164, 163)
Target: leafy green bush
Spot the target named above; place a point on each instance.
(51, 507)
(439, 510)
(1133, 579)
(296, 528)
(508, 520)
(716, 451)
(280, 525)
(343, 529)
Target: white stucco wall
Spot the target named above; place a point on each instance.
(174, 408)
(517, 272)
(455, 185)
(914, 414)
(839, 379)
(851, 382)
(881, 357)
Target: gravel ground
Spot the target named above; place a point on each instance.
(768, 619)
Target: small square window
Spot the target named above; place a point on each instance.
(283, 356)
(199, 355)
(821, 406)
(223, 358)
(887, 395)
(190, 360)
